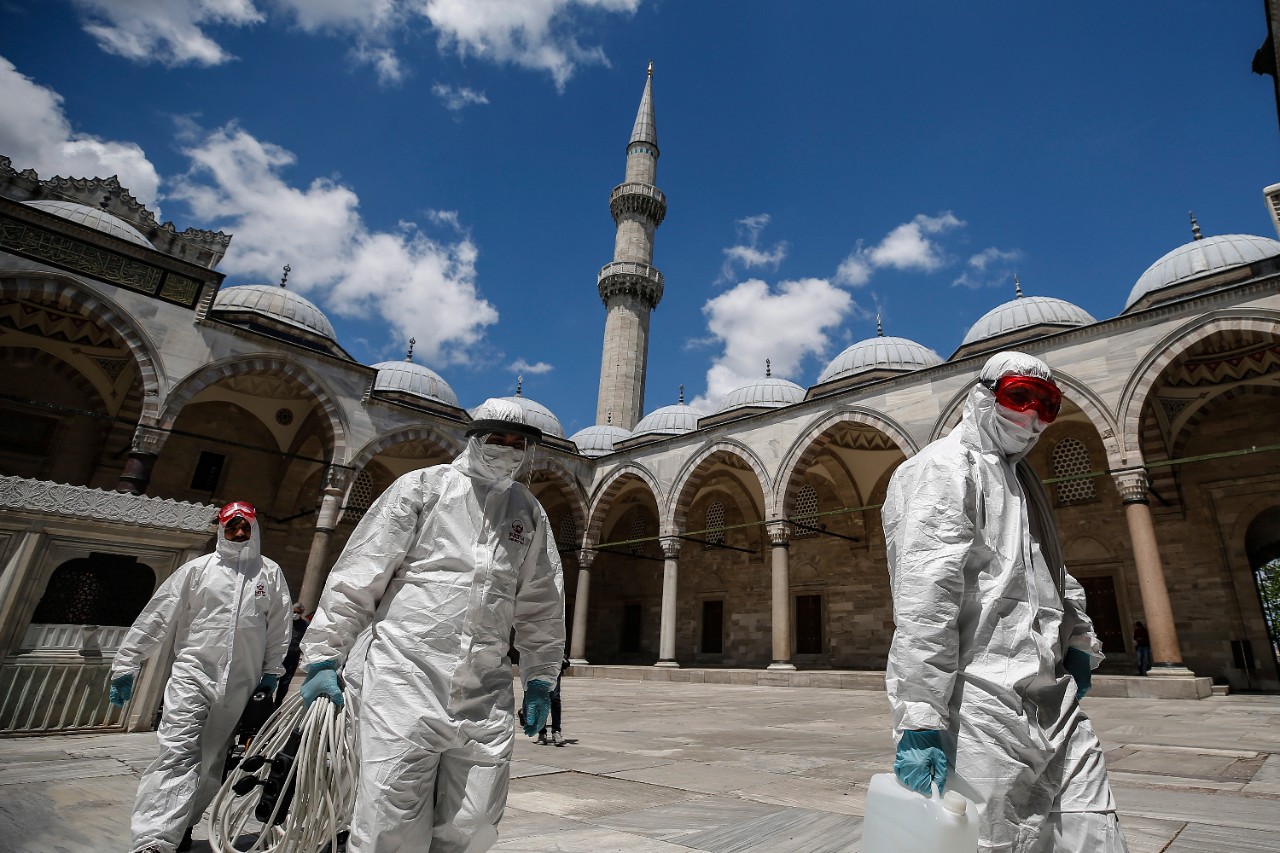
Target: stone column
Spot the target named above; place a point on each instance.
(578, 643)
(337, 478)
(780, 538)
(667, 631)
(16, 593)
(1166, 654)
(143, 453)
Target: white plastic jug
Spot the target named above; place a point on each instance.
(901, 821)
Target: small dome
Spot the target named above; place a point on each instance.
(275, 303)
(768, 392)
(406, 377)
(1027, 312)
(599, 440)
(1201, 258)
(536, 414)
(94, 218)
(668, 420)
(880, 353)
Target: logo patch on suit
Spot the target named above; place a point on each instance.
(517, 532)
(260, 591)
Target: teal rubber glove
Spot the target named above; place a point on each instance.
(537, 706)
(322, 680)
(267, 684)
(121, 689)
(1080, 664)
(920, 761)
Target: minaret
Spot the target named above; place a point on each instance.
(631, 286)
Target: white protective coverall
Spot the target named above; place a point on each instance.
(228, 614)
(985, 612)
(444, 564)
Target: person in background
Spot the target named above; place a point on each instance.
(992, 650)
(298, 627)
(1142, 646)
(556, 737)
(227, 613)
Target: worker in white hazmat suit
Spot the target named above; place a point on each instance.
(444, 564)
(993, 650)
(228, 615)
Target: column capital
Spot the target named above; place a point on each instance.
(1132, 485)
(779, 533)
(671, 546)
(586, 557)
(147, 439)
(338, 477)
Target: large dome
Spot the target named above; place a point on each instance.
(1201, 258)
(1027, 312)
(897, 355)
(94, 218)
(598, 440)
(668, 420)
(415, 380)
(538, 415)
(276, 304)
(769, 392)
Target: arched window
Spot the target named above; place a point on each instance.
(806, 504)
(101, 589)
(359, 498)
(1069, 457)
(714, 524)
(567, 537)
(639, 530)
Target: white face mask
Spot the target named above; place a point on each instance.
(1018, 430)
(502, 461)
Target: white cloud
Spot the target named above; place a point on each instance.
(747, 254)
(171, 32)
(754, 321)
(35, 134)
(457, 97)
(522, 366)
(906, 247)
(423, 287)
(384, 61)
(989, 268)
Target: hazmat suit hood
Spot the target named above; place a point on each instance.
(997, 429)
(490, 463)
(248, 554)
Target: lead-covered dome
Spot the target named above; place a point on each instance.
(412, 380)
(874, 356)
(276, 305)
(1022, 319)
(536, 414)
(92, 217)
(1176, 272)
(599, 440)
(668, 420)
(769, 392)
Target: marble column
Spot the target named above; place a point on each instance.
(578, 641)
(1166, 654)
(143, 452)
(337, 479)
(667, 631)
(780, 538)
(18, 595)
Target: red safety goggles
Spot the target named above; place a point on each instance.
(1021, 393)
(237, 509)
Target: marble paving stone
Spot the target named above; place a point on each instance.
(1261, 813)
(569, 758)
(581, 796)
(1197, 838)
(74, 816)
(1267, 779)
(768, 762)
(1146, 835)
(672, 822)
(1172, 764)
(521, 769)
(1144, 780)
(518, 823)
(588, 841)
(787, 831)
(838, 797)
(49, 771)
(703, 778)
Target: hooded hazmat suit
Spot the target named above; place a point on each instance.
(228, 614)
(985, 612)
(440, 569)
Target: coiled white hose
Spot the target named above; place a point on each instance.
(323, 777)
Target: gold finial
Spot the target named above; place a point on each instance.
(519, 385)
(1017, 286)
(768, 368)
(682, 395)
(879, 327)
(409, 356)
(287, 269)
(650, 68)
(1195, 227)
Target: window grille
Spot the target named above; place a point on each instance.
(639, 530)
(806, 504)
(568, 535)
(360, 497)
(1069, 457)
(715, 524)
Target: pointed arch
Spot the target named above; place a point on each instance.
(445, 443)
(568, 487)
(609, 488)
(806, 448)
(681, 496)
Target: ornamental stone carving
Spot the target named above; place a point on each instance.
(630, 278)
(779, 533)
(19, 493)
(1132, 486)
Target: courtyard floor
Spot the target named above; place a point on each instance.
(655, 766)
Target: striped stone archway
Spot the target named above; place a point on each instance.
(569, 488)
(807, 447)
(609, 488)
(682, 492)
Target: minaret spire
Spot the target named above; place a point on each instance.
(630, 286)
(1195, 227)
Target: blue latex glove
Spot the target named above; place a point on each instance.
(537, 705)
(322, 680)
(268, 684)
(921, 761)
(121, 689)
(1080, 664)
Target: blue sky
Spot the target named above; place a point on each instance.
(441, 168)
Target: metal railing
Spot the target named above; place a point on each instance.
(42, 695)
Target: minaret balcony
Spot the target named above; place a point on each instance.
(630, 278)
(644, 199)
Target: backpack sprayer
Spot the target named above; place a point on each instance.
(294, 787)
